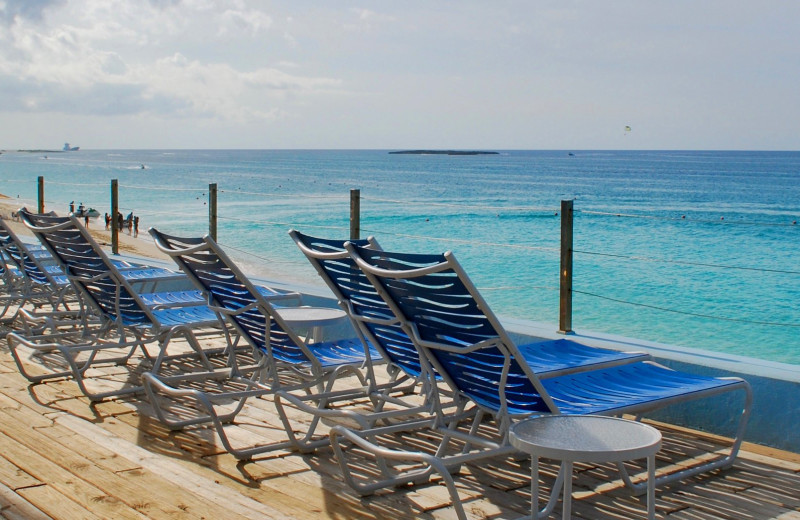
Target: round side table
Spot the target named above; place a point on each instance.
(313, 318)
(585, 438)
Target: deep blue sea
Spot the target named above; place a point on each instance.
(697, 249)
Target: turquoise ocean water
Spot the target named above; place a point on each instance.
(697, 249)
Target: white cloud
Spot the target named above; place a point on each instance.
(218, 90)
(122, 56)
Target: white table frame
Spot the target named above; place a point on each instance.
(583, 438)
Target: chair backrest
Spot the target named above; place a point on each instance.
(9, 254)
(89, 269)
(369, 313)
(24, 258)
(456, 332)
(232, 294)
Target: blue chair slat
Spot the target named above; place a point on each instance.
(543, 356)
(430, 301)
(479, 376)
(332, 353)
(147, 273)
(166, 298)
(13, 270)
(61, 280)
(181, 315)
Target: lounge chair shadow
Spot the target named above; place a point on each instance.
(59, 394)
(193, 444)
(341, 502)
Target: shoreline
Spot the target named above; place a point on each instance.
(141, 245)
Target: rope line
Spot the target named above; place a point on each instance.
(500, 288)
(686, 262)
(469, 206)
(75, 184)
(159, 188)
(684, 219)
(265, 259)
(518, 287)
(285, 195)
(174, 214)
(686, 313)
(462, 241)
(276, 223)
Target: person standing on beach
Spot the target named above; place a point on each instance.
(136, 226)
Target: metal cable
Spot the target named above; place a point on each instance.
(686, 262)
(697, 315)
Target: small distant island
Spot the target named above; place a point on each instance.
(444, 152)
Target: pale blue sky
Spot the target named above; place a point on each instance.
(404, 74)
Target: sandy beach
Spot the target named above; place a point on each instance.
(142, 245)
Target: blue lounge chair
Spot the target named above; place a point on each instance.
(462, 341)
(33, 281)
(373, 318)
(281, 353)
(127, 324)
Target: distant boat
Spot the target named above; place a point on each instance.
(68, 148)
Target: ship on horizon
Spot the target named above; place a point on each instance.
(68, 148)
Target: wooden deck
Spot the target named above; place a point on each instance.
(61, 457)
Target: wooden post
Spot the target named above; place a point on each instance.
(565, 276)
(114, 218)
(41, 195)
(212, 211)
(355, 214)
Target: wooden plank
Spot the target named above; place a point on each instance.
(14, 507)
(123, 483)
(308, 492)
(14, 477)
(172, 471)
(61, 486)
(748, 448)
(724, 506)
(55, 505)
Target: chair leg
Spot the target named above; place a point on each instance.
(723, 462)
